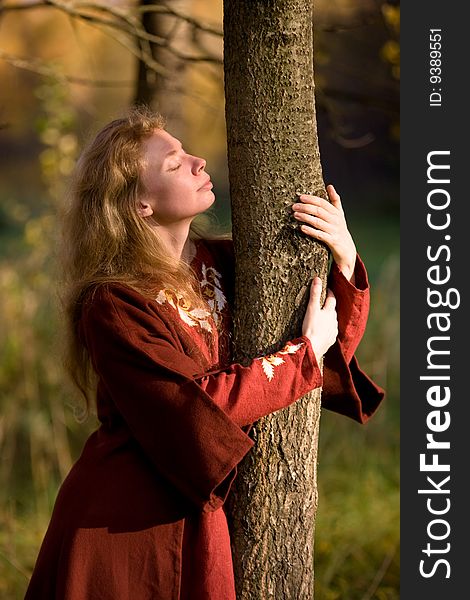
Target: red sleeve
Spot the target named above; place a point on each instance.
(352, 305)
(268, 384)
(346, 388)
(187, 423)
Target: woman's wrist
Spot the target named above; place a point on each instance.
(347, 269)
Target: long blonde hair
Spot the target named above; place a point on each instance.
(104, 239)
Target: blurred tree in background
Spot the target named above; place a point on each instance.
(66, 68)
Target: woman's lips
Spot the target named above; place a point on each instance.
(207, 186)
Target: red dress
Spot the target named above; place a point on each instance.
(140, 515)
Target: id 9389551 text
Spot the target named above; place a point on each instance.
(435, 67)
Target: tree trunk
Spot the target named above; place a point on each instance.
(273, 155)
(162, 93)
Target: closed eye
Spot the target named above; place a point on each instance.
(174, 168)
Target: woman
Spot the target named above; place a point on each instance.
(140, 516)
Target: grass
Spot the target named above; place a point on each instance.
(357, 529)
(357, 548)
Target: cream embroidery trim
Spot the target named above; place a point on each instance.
(274, 360)
(212, 293)
(191, 316)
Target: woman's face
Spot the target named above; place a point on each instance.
(175, 184)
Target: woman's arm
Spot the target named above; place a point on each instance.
(346, 388)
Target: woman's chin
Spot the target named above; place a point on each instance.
(210, 198)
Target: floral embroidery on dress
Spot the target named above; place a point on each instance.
(212, 293)
(274, 360)
(191, 316)
(211, 289)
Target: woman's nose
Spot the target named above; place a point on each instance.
(198, 165)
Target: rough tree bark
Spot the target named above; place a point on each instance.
(273, 154)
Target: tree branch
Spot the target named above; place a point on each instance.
(122, 22)
(45, 70)
(195, 23)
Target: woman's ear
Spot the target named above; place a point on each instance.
(144, 209)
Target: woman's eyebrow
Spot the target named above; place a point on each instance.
(174, 151)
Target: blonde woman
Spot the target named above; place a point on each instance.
(140, 516)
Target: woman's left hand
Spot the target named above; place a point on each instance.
(326, 222)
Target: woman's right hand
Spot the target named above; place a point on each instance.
(320, 324)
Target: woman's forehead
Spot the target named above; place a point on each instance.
(159, 145)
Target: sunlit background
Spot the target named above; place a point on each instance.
(65, 70)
